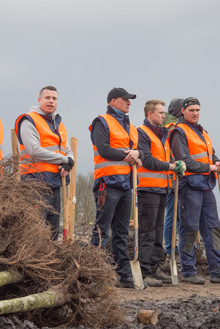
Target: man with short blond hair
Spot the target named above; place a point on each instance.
(151, 105)
(154, 183)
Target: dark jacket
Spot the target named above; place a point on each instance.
(101, 138)
(150, 162)
(179, 146)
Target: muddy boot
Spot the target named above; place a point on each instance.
(160, 275)
(127, 282)
(152, 282)
(194, 279)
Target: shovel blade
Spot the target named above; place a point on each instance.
(174, 272)
(137, 275)
(198, 254)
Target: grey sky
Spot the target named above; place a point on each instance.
(158, 49)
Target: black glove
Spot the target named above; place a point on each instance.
(68, 166)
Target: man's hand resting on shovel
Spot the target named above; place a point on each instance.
(132, 157)
(180, 168)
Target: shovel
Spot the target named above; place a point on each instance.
(135, 265)
(173, 266)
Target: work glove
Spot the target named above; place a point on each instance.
(68, 166)
(180, 168)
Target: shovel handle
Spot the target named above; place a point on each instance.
(218, 175)
(135, 209)
(175, 207)
(173, 266)
(134, 196)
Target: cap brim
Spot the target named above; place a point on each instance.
(129, 96)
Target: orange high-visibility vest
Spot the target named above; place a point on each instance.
(170, 125)
(150, 178)
(119, 139)
(48, 140)
(198, 149)
(1, 139)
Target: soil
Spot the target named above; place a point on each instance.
(181, 306)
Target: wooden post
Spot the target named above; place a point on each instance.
(15, 152)
(71, 202)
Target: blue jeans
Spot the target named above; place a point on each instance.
(115, 215)
(53, 218)
(168, 224)
(198, 211)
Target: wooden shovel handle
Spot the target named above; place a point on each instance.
(135, 210)
(218, 175)
(175, 207)
(134, 196)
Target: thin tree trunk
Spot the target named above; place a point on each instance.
(9, 277)
(53, 297)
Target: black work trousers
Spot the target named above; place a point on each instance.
(115, 215)
(151, 208)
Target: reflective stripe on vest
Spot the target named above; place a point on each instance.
(119, 139)
(150, 178)
(48, 140)
(198, 149)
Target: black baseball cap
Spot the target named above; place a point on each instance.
(190, 101)
(119, 92)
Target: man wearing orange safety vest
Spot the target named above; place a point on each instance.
(43, 136)
(1, 139)
(154, 184)
(115, 146)
(198, 211)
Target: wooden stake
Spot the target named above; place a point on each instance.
(71, 202)
(15, 152)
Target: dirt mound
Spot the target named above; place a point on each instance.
(191, 313)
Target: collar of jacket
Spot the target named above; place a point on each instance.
(50, 118)
(160, 132)
(122, 119)
(194, 126)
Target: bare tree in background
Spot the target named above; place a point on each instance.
(85, 203)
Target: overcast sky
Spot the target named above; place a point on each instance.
(157, 49)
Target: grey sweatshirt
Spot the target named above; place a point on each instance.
(31, 141)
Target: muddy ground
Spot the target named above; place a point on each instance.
(181, 306)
